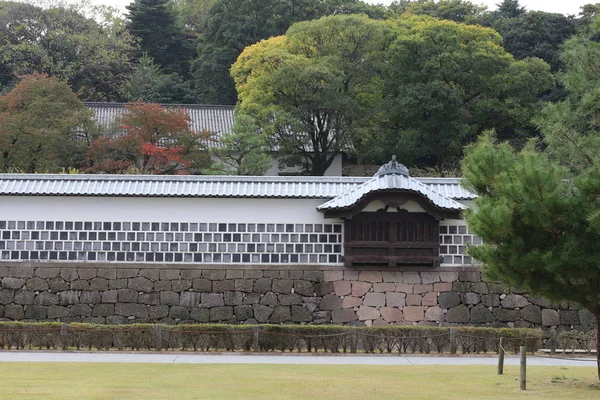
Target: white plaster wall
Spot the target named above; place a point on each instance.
(107, 209)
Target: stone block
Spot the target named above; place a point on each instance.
(323, 288)
(24, 297)
(87, 273)
(232, 298)
(169, 298)
(481, 315)
(429, 277)
(262, 313)
(506, 315)
(243, 285)
(391, 276)
(350, 275)
(343, 316)
(407, 288)
(127, 296)
(301, 314)
(289, 299)
(13, 283)
(280, 315)
(162, 286)
(342, 288)
(367, 313)
(47, 273)
(471, 298)
(313, 276)
(14, 311)
(370, 276)
(532, 314)
(152, 274)
(411, 277)
(514, 301)
(243, 312)
(6, 296)
(141, 284)
(98, 284)
(391, 314)
(586, 318)
(131, 310)
(211, 300)
(69, 274)
(190, 274)
(282, 286)
(434, 314)
(413, 299)
(179, 313)
(414, 313)
(80, 310)
(253, 274)
(291, 274)
(117, 284)
(90, 297)
(189, 299)
(251, 298)
(374, 299)
(269, 299)
(200, 314)
(271, 273)
(58, 285)
(394, 299)
(80, 284)
(449, 276)
(109, 296)
(55, 312)
(20, 271)
(380, 322)
(156, 312)
(36, 284)
(68, 297)
(458, 314)
(202, 285)
(126, 273)
(330, 302)
(311, 303)
(323, 317)
(569, 317)
(218, 314)
(490, 300)
(214, 274)
(442, 287)
(429, 299)
(94, 320)
(350, 302)
(418, 289)
(469, 276)
(359, 288)
(384, 287)
(333, 276)
(181, 285)
(540, 301)
(262, 285)
(107, 273)
(461, 287)
(46, 299)
(151, 299)
(480, 288)
(306, 288)
(103, 310)
(448, 300)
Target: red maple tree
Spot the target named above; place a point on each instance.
(155, 140)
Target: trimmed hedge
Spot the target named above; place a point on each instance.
(281, 338)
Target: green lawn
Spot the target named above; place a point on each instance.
(247, 381)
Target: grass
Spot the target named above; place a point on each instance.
(260, 381)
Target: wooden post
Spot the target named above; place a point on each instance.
(523, 364)
(501, 357)
(452, 341)
(354, 343)
(256, 341)
(158, 337)
(64, 336)
(553, 341)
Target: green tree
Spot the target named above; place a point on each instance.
(316, 87)
(192, 14)
(245, 151)
(42, 126)
(231, 25)
(509, 9)
(453, 10)
(444, 84)
(149, 84)
(155, 23)
(94, 58)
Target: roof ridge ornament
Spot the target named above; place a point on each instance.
(392, 167)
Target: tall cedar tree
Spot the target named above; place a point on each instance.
(42, 125)
(155, 141)
(161, 37)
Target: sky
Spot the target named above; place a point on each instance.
(557, 6)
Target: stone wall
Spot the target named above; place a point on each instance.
(109, 293)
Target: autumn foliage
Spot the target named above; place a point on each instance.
(155, 140)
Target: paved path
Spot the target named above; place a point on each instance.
(250, 358)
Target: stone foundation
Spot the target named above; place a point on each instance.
(109, 293)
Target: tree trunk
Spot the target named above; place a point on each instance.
(597, 314)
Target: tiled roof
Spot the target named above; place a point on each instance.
(216, 119)
(390, 182)
(201, 186)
